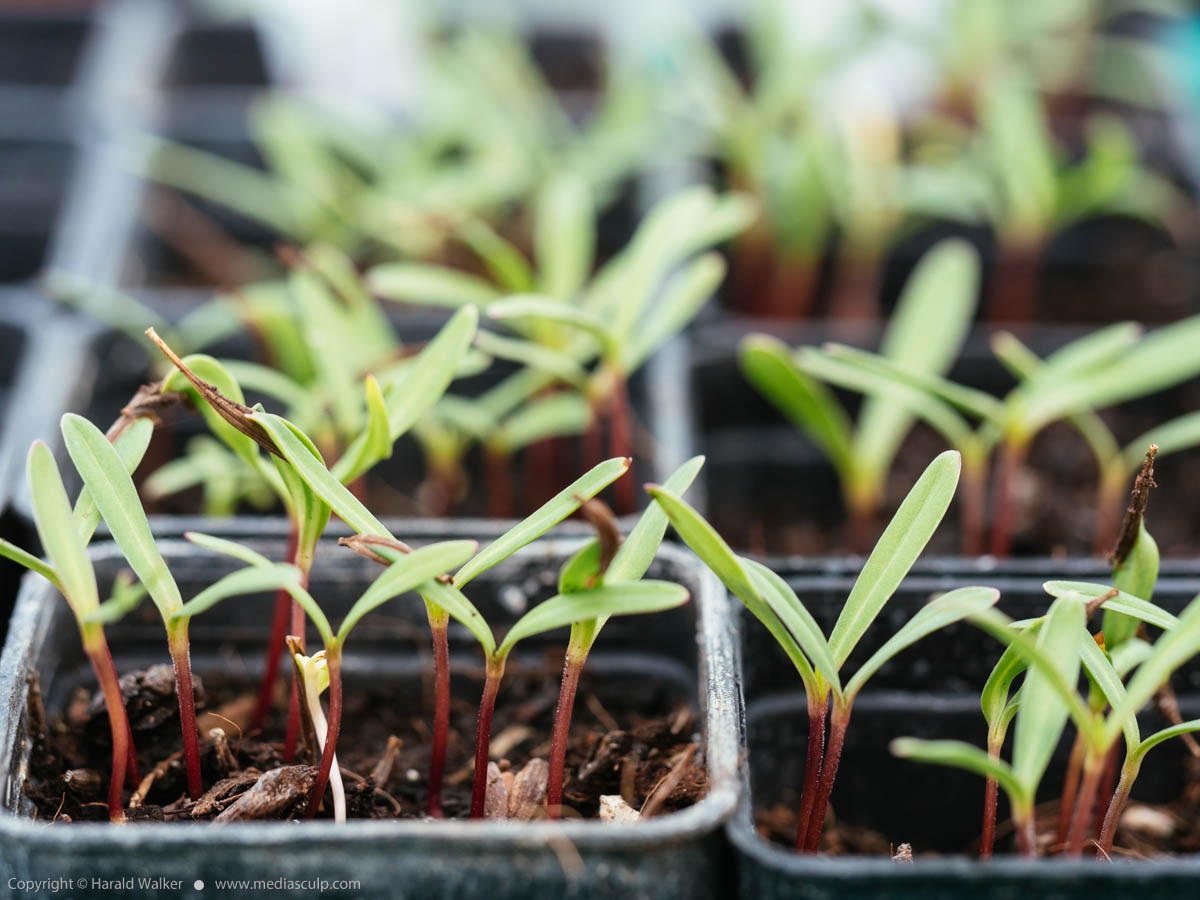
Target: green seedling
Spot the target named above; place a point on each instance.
(369, 432)
(65, 535)
(1103, 369)
(925, 333)
(582, 332)
(324, 669)
(819, 660)
(110, 488)
(283, 439)
(1054, 649)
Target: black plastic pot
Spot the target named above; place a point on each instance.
(763, 473)
(42, 47)
(929, 691)
(680, 854)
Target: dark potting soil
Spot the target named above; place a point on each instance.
(1147, 830)
(630, 736)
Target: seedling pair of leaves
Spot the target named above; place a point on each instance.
(444, 598)
(575, 332)
(1053, 649)
(1108, 367)
(925, 335)
(109, 492)
(819, 660)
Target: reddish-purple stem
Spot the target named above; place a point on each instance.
(1115, 807)
(572, 665)
(275, 644)
(499, 484)
(441, 711)
(1108, 782)
(178, 642)
(333, 659)
(298, 628)
(118, 723)
(833, 755)
(1081, 822)
(991, 789)
(483, 736)
(133, 772)
(1066, 806)
(817, 709)
(1011, 457)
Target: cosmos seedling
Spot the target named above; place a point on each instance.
(819, 660)
(582, 332)
(925, 333)
(1105, 368)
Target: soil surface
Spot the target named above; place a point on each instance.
(629, 737)
(1146, 830)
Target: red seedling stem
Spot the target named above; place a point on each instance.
(118, 723)
(133, 772)
(833, 755)
(991, 790)
(275, 644)
(177, 640)
(1066, 805)
(572, 666)
(1011, 458)
(297, 628)
(1081, 821)
(817, 709)
(333, 659)
(499, 483)
(483, 735)
(1108, 783)
(1117, 806)
(441, 709)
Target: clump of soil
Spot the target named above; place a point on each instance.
(630, 737)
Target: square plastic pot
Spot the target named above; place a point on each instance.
(928, 691)
(680, 854)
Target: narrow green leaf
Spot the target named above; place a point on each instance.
(27, 560)
(1173, 649)
(127, 595)
(995, 695)
(1043, 713)
(637, 552)
(562, 413)
(535, 306)
(504, 262)
(373, 444)
(1127, 604)
(252, 580)
(533, 354)
(1103, 675)
(431, 372)
(767, 364)
(564, 236)
(405, 574)
(611, 600)
(924, 334)
(60, 538)
(961, 755)
(1137, 574)
(937, 614)
(131, 446)
(681, 300)
(897, 549)
(228, 548)
(543, 519)
(1182, 433)
(1165, 735)
(425, 284)
(782, 600)
(103, 472)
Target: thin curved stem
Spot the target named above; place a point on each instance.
(991, 790)
(438, 623)
(483, 735)
(275, 644)
(833, 754)
(817, 709)
(333, 659)
(572, 666)
(1116, 806)
(1011, 458)
(298, 627)
(118, 723)
(1082, 820)
(177, 640)
(1066, 805)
